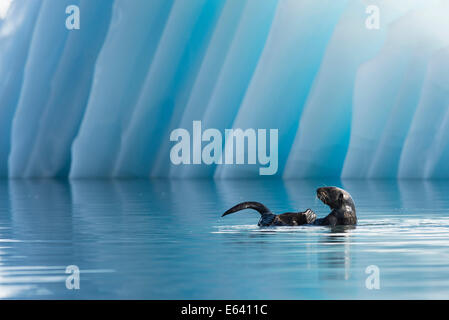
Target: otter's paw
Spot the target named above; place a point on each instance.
(309, 216)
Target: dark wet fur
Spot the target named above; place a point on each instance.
(343, 207)
(340, 201)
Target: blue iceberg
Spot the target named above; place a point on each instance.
(347, 101)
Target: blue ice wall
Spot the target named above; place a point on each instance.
(347, 101)
(15, 36)
(56, 85)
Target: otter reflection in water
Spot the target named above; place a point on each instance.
(340, 201)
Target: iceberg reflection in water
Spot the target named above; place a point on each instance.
(166, 240)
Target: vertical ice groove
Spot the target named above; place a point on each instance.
(47, 45)
(325, 123)
(15, 35)
(168, 81)
(210, 70)
(211, 16)
(235, 73)
(438, 158)
(426, 138)
(284, 75)
(426, 42)
(385, 160)
(382, 94)
(49, 155)
(132, 39)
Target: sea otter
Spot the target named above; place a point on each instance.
(340, 201)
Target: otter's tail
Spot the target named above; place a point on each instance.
(266, 218)
(249, 205)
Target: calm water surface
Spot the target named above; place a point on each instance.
(142, 239)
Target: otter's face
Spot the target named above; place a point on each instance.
(334, 197)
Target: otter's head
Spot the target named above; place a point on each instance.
(336, 198)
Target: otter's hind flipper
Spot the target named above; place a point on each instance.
(248, 205)
(266, 218)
